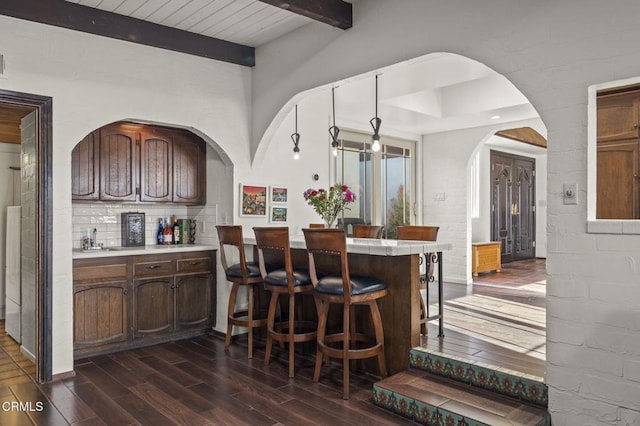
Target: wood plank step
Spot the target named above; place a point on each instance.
(433, 400)
(527, 387)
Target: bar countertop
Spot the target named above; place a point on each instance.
(376, 247)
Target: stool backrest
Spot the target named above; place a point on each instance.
(367, 231)
(274, 238)
(331, 242)
(418, 233)
(231, 235)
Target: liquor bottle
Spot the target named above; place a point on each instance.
(167, 233)
(176, 230)
(159, 236)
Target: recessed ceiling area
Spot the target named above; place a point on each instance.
(435, 93)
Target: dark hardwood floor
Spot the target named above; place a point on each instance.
(194, 382)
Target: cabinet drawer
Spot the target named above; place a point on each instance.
(195, 264)
(100, 272)
(156, 268)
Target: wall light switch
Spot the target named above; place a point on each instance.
(570, 193)
(440, 196)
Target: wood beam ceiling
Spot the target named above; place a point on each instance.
(524, 134)
(73, 16)
(336, 13)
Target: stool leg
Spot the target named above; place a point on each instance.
(322, 307)
(230, 312)
(423, 315)
(291, 335)
(273, 303)
(250, 320)
(346, 338)
(377, 326)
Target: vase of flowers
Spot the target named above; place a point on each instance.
(329, 203)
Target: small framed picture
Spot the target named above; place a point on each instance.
(278, 194)
(253, 200)
(278, 214)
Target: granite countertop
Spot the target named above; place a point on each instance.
(133, 251)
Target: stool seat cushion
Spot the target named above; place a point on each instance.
(332, 284)
(253, 270)
(279, 277)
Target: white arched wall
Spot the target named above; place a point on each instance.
(552, 52)
(95, 80)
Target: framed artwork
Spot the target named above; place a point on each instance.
(253, 200)
(278, 214)
(278, 194)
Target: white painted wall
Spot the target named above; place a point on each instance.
(552, 51)
(95, 80)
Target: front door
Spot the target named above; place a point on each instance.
(513, 205)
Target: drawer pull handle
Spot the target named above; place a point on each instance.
(153, 266)
(194, 263)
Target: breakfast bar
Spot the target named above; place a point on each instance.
(396, 262)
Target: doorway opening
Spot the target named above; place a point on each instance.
(42, 220)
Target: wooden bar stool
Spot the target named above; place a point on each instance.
(240, 274)
(281, 281)
(423, 233)
(347, 290)
(367, 231)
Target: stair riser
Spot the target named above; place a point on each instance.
(521, 388)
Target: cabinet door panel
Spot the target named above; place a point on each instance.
(100, 314)
(618, 116)
(152, 306)
(618, 189)
(118, 163)
(84, 169)
(193, 301)
(189, 168)
(155, 166)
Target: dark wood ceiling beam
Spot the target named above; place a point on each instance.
(73, 16)
(336, 13)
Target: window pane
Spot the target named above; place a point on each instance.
(397, 172)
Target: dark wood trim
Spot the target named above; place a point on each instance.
(525, 135)
(77, 17)
(44, 238)
(336, 13)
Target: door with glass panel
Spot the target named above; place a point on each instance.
(383, 181)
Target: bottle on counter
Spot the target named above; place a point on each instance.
(167, 233)
(176, 230)
(159, 236)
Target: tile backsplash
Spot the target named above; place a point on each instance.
(105, 218)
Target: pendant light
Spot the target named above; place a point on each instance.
(375, 123)
(296, 139)
(334, 130)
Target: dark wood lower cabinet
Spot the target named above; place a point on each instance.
(132, 301)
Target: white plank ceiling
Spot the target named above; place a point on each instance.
(248, 22)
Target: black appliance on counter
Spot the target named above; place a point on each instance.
(132, 229)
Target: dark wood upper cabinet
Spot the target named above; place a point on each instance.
(118, 162)
(189, 169)
(156, 148)
(618, 155)
(84, 168)
(618, 116)
(140, 163)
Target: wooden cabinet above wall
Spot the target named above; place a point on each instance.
(134, 163)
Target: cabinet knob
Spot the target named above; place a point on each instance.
(125, 292)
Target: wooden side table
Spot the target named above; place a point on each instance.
(485, 257)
